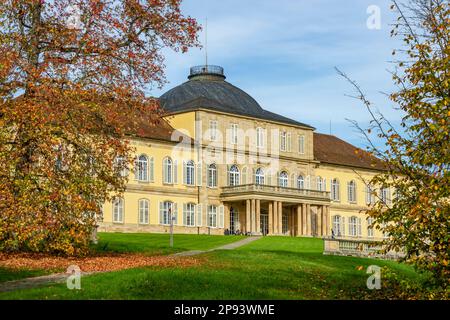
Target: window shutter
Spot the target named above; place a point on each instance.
(161, 212)
(175, 213)
(221, 216)
(199, 174)
(152, 170)
(184, 214)
(359, 227)
(324, 184)
(184, 172)
(136, 169)
(288, 142)
(343, 226)
(175, 172)
(244, 176)
(199, 214)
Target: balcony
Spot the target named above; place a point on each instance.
(274, 191)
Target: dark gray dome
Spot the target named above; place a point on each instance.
(208, 89)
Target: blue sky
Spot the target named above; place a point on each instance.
(283, 54)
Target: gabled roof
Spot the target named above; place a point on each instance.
(332, 150)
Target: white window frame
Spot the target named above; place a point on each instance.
(283, 141)
(337, 225)
(370, 196)
(118, 209)
(213, 130)
(320, 186)
(300, 182)
(190, 173)
(234, 133)
(189, 214)
(301, 144)
(353, 226)
(351, 191)
(167, 205)
(385, 195)
(283, 179)
(335, 190)
(141, 168)
(260, 138)
(259, 176)
(212, 176)
(212, 216)
(370, 227)
(144, 211)
(234, 176)
(168, 170)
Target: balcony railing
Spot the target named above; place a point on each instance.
(261, 188)
(359, 247)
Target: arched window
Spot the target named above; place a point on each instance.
(141, 168)
(190, 173)
(320, 186)
(167, 170)
(259, 176)
(283, 179)
(143, 211)
(118, 210)
(335, 190)
(300, 182)
(351, 191)
(234, 176)
(120, 166)
(212, 176)
(385, 195)
(337, 226)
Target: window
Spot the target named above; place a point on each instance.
(370, 196)
(283, 140)
(189, 215)
(213, 130)
(337, 226)
(118, 210)
(300, 182)
(167, 209)
(370, 227)
(212, 176)
(168, 170)
(285, 224)
(259, 176)
(143, 211)
(352, 226)
(283, 179)
(234, 176)
(141, 168)
(385, 195)
(335, 190)
(234, 133)
(189, 173)
(260, 137)
(320, 186)
(351, 191)
(120, 166)
(212, 216)
(301, 144)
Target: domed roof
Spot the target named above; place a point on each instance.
(208, 89)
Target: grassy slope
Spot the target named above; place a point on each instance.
(270, 268)
(7, 274)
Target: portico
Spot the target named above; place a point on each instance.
(273, 210)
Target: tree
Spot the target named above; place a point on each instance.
(73, 75)
(417, 157)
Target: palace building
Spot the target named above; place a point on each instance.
(219, 163)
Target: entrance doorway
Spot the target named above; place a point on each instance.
(264, 224)
(234, 220)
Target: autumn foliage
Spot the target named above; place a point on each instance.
(73, 76)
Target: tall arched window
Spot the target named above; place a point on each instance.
(190, 173)
(351, 191)
(234, 176)
(259, 176)
(143, 211)
(300, 182)
(335, 190)
(337, 227)
(353, 226)
(212, 176)
(120, 166)
(141, 168)
(283, 179)
(167, 170)
(118, 210)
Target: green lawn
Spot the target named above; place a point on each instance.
(269, 268)
(7, 274)
(158, 244)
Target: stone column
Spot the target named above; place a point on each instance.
(253, 215)
(247, 217)
(275, 217)
(299, 221)
(258, 216)
(270, 218)
(226, 218)
(280, 217)
(308, 220)
(304, 229)
(327, 220)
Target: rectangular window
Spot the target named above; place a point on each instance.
(213, 130)
(283, 140)
(167, 211)
(385, 195)
(212, 216)
(118, 210)
(234, 133)
(370, 227)
(189, 215)
(260, 137)
(143, 211)
(301, 144)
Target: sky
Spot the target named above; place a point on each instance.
(283, 53)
